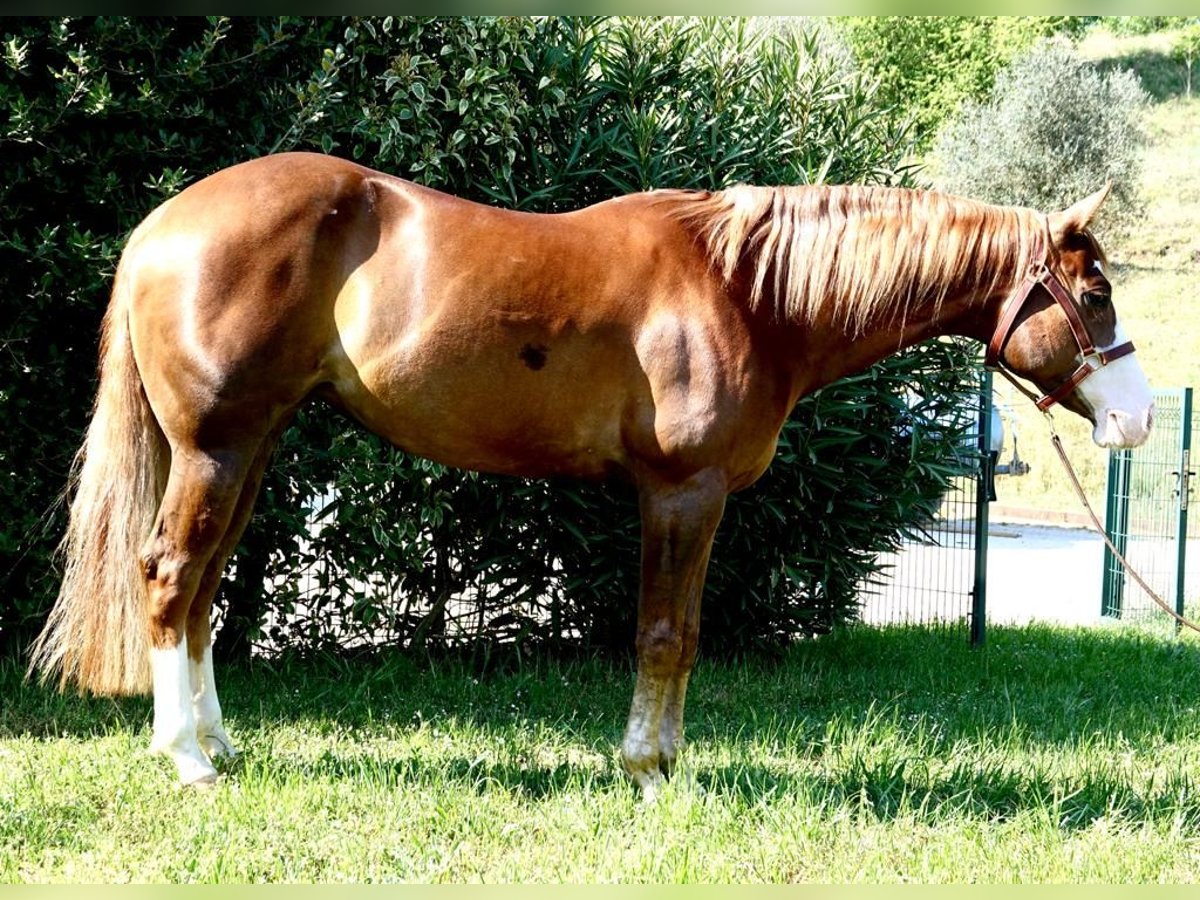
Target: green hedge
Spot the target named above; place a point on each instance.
(110, 115)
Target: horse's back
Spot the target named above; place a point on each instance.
(531, 344)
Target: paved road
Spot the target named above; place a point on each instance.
(1036, 572)
(1043, 573)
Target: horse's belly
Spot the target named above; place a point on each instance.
(532, 408)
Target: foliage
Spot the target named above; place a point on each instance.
(928, 66)
(1054, 130)
(358, 542)
(1143, 24)
(1185, 48)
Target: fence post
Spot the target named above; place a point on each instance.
(983, 476)
(1181, 520)
(1116, 523)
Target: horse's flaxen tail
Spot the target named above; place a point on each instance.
(97, 633)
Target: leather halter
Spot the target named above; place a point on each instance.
(1093, 359)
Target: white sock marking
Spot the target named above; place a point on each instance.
(174, 721)
(210, 728)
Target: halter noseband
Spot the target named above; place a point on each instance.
(1093, 359)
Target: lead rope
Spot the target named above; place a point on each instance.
(1062, 455)
(1087, 505)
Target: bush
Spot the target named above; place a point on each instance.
(357, 541)
(1054, 130)
(928, 66)
(106, 117)
(1186, 48)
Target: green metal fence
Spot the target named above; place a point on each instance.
(1146, 515)
(939, 574)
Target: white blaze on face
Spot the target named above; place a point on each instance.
(1120, 398)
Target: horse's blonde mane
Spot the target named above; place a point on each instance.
(873, 253)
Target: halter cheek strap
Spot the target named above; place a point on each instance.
(1093, 359)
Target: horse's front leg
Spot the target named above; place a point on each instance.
(678, 524)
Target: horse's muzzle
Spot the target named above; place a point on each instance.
(1118, 429)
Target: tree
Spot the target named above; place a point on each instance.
(928, 66)
(1053, 130)
(1185, 48)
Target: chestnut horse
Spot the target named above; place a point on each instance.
(662, 336)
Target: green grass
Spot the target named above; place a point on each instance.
(869, 755)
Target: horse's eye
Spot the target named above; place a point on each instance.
(1097, 299)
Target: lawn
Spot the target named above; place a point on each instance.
(866, 756)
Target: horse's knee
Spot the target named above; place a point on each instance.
(660, 648)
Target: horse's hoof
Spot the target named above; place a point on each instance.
(650, 794)
(649, 781)
(203, 784)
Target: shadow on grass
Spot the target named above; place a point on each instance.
(1053, 683)
(1033, 689)
(905, 790)
(530, 780)
(1162, 77)
(28, 708)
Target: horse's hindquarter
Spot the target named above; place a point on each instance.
(535, 344)
(230, 288)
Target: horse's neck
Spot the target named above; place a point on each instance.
(929, 258)
(827, 349)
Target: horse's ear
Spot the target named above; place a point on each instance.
(1076, 218)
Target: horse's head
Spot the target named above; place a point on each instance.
(1061, 332)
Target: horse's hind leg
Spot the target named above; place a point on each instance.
(206, 708)
(202, 495)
